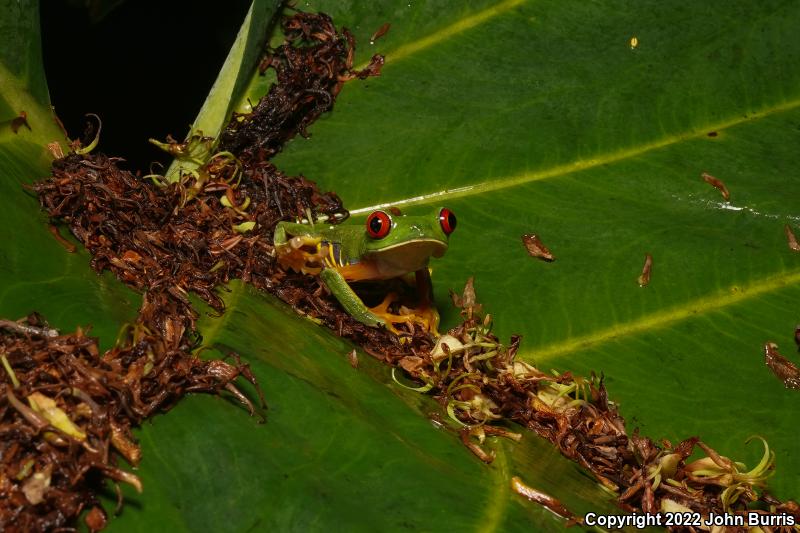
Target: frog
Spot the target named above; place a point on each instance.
(388, 245)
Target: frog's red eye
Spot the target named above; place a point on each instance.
(378, 225)
(448, 221)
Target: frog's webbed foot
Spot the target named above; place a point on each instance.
(382, 310)
(427, 309)
(425, 315)
(303, 253)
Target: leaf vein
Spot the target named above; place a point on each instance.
(579, 165)
(663, 318)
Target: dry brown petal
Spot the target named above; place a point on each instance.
(468, 299)
(55, 150)
(501, 432)
(644, 278)
(711, 180)
(536, 248)
(411, 363)
(474, 447)
(784, 369)
(380, 32)
(791, 238)
(131, 256)
(541, 498)
(96, 519)
(121, 475)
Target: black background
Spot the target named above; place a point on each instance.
(145, 68)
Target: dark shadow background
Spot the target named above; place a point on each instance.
(145, 68)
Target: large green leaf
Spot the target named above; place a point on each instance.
(540, 117)
(522, 117)
(37, 273)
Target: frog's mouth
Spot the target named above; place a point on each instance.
(403, 258)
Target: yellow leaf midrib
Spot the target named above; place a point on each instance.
(453, 29)
(666, 317)
(580, 164)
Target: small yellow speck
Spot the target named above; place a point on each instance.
(634, 42)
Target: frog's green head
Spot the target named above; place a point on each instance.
(404, 244)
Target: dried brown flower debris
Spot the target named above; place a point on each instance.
(167, 240)
(66, 410)
(480, 382)
(311, 66)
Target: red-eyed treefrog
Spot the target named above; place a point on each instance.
(388, 246)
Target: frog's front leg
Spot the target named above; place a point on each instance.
(349, 299)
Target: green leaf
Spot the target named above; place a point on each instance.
(523, 117)
(539, 117)
(342, 448)
(37, 273)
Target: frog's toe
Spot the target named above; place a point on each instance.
(427, 318)
(389, 319)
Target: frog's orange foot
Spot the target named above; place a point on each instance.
(427, 317)
(382, 311)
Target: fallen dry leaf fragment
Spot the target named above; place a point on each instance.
(786, 371)
(536, 249)
(644, 278)
(711, 180)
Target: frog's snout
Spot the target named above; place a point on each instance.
(417, 231)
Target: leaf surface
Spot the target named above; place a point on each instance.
(541, 117)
